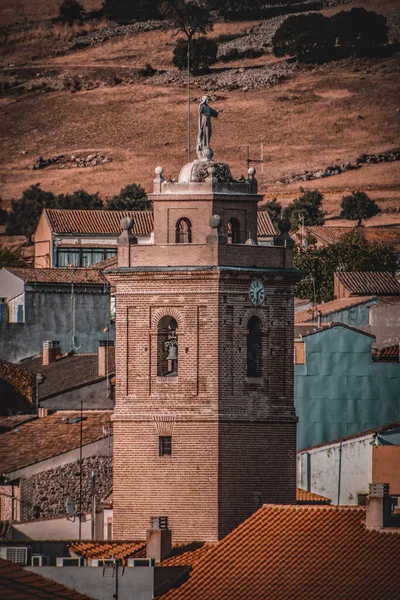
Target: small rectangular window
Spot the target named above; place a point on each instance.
(165, 445)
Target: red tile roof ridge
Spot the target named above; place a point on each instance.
(336, 305)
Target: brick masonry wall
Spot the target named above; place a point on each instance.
(233, 438)
(44, 495)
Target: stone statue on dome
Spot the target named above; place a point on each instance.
(205, 128)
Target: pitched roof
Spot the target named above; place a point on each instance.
(186, 554)
(376, 430)
(17, 583)
(327, 308)
(67, 372)
(78, 276)
(331, 235)
(265, 227)
(303, 552)
(8, 423)
(107, 549)
(368, 283)
(107, 222)
(46, 437)
(387, 354)
(307, 329)
(306, 497)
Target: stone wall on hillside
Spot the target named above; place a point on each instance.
(44, 495)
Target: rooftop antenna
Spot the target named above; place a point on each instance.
(188, 92)
(257, 161)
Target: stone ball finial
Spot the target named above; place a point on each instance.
(159, 171)
(251, 171)
(126, 223)
(215, 222)
(284, 225)
(208, 153)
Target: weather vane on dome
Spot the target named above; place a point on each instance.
(205, 129)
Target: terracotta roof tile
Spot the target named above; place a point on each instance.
(107, 549)
(384, 235)
(369, 283)
(306, 497)
(17, 583)
(186, 554)
(67, 372)
(78, 276)
(98, 221)
(44, 438)
(108, 221)
(388, 354)
(8, 423)
(301, 552)
(265, 227)
(327, 308)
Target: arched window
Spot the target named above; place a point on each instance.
(183, 231)
(254, 347)
(233, 231)
(167, 347)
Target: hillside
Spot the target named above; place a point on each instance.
(306, 118)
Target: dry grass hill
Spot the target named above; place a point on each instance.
(306, 118)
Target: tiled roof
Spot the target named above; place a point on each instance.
(186, 554)
(369, 283)
(327, 308)
(331, 235)
(78, 276)
(105, 222)
(107, 263)
(298, 552)
(49, 436)
(17, 583)
(305, 497)
(265, 227)
(388, 354)
(67, 372)
(107, 549)
(8, 423)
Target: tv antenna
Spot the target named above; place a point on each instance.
(257, 161)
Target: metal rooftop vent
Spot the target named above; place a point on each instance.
(158, 522)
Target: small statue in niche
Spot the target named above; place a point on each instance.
(205, 128)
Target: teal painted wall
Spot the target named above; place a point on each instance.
(340, 391)
(355, 316)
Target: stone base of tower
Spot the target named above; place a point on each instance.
(217, 476)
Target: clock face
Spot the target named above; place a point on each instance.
(257, 293)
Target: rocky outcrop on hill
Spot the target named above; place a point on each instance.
(102, 35)
(69, 162)
(232, 79)
(257, 37)
(389, 156)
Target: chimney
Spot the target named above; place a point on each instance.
(158, 539)
(378, 506)
(51, 350)
(103, 357)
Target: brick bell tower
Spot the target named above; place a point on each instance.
(204, 421)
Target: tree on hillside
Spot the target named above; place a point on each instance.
(3, 214)
(128, 10)
(303, 36)
(358, 206)
(352, 253)
(360, 30)
(71, 11)
(274, 209)
(309, 206)
(203, 54)
(80, 200)
(188, 17)
(25, 212)
(9, 258)
(131, 197)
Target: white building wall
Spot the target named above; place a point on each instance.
(338, 470)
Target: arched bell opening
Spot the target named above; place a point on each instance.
(234, 231)
(167, 347)
(254, 347)
(183, 231)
